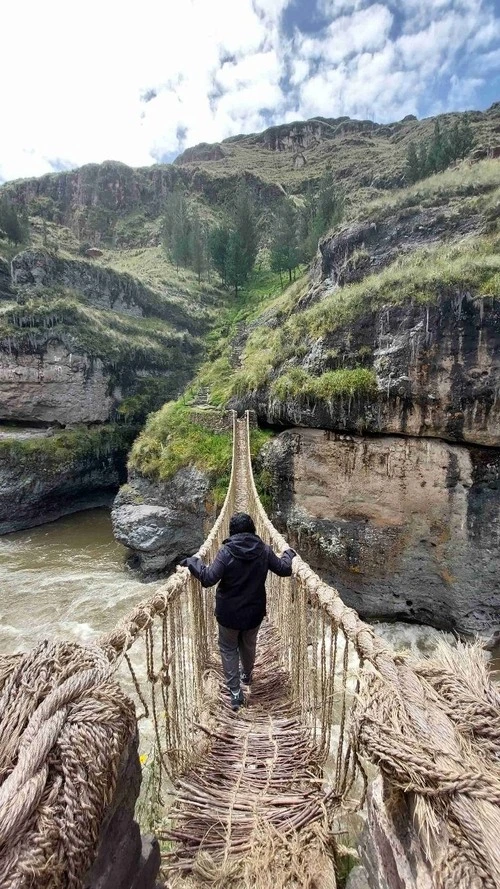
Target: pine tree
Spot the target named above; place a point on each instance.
(245, 224)
(319, 213)
(412, 168)
(467, 140)
(197, 246)
(176, 227)
(237, 261)
(10, 223)
(218, 240)
(423, 160)
(285, 246)
(330, 203)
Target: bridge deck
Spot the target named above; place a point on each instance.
(258, 788)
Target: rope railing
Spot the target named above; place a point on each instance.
(400, 713)
(355, 695)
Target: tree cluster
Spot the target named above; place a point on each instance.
(14, 226)
(185, 237)
(447, 144)
(231, 247)
(296, 231)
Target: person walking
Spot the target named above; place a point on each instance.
(240, 568)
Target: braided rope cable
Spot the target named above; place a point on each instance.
(64, 723)
(403, 726)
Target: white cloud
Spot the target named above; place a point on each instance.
(77, 82)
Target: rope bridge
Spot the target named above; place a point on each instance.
(257, 797)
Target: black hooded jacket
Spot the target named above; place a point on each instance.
(241, 566)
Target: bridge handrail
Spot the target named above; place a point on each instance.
(400, 714)
(123, 635)
(404, 727)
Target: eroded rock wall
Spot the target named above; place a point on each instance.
(42, 478)
(405, 528)
(437, 368)
(55, 385)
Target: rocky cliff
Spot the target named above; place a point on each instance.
(404, 527)
(47, 474)
(385, 372)
(81, 347)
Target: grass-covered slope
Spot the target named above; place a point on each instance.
(264, 343)
(364, 155)
(178, 436)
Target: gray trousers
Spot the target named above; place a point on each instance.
(235, 645)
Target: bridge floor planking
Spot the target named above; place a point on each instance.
(257, 798)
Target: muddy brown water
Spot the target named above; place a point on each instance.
(68, 580)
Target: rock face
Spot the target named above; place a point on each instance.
(55, 386)
(437, 370)
(390, 847)
(124, 860)
(39, 484)
(369, 246)
(162, 522)
(404, 528)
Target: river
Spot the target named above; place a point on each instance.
(68, 580)
(65, 580)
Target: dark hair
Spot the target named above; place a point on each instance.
(241, 522)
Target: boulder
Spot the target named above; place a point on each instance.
(160, 522)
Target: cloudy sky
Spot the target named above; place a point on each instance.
(140, 81)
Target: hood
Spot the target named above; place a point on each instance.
(245, 546)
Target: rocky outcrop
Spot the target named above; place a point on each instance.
(202, 152)
(44, 476)
(437, 369)
(162, 522)
(55, 386)
(369, 246)
(99, 287)
(404, 528)
(124, 860)
(390, 847)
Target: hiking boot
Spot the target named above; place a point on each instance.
(237, 700)
(246, 678)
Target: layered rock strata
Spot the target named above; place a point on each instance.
(405, 528)
(46, 475)
(437, 369)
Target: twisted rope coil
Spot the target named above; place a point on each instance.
(64, 727)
